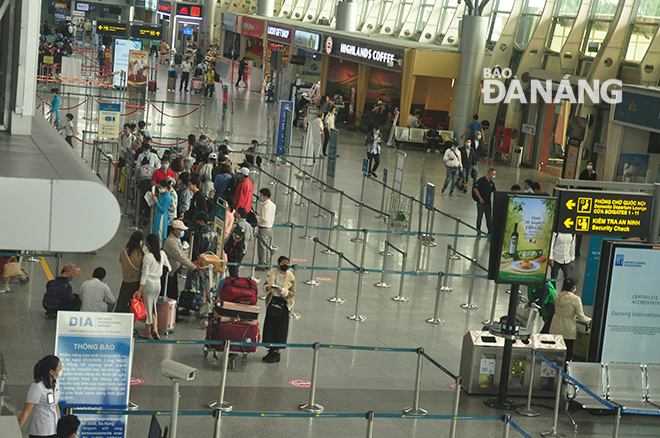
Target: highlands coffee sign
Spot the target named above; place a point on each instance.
(378, 55)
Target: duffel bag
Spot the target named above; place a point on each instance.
(239, 290)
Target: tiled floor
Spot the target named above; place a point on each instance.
(348, 381)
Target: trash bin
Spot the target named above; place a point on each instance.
(516, 156)
(553, 348)
(481, 364)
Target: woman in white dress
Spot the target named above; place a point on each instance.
(152, 270)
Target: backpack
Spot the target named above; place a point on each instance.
(235, 245)
(232, 186)
(474, 196)
(203, 152)
(198, 71)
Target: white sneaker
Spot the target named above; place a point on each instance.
(428, 151)
(437, 151)
(4, 289)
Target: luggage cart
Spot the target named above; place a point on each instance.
(197, 86)
(400, 211)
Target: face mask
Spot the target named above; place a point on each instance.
(61, 373)
(261, 198)
(162, 190)
(72, 278)
(453, 148)
(467, 145)
(145, 249)
(166, 166)
(492, 177)
(182, 234)
(139, 137)
(146, 153)
(284, 268)
(478, 137)
(590, 167)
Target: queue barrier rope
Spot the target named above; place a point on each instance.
(518, 428)
(75, 106)
(140, 108)
(468, 258)
(173, 117)
(395, 248)
(440, 367)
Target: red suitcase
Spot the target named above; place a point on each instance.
(239, 290)
(152, 86)
(236, 311)
(166, 309)
(237, 331)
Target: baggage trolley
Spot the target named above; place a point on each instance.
(197, 86)
(400, 211)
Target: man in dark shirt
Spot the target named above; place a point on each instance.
(198, 201)
(481, 193)
(433, 140)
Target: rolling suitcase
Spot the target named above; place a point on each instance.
(165, 308)
(152, 86)
(171, 84)
(237, 331)
(236, 311)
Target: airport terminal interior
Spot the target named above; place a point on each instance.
(348, 381)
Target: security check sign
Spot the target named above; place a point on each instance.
(604, 213)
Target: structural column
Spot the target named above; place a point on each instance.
(473, 49)
(208, 19)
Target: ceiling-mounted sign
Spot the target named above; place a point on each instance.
(638, 110)
(365, 52)
(82, 7)
(110, 28)
(146, 32)
(307, 40)
(229, 21)
(190, 11)
(252, 27)
(604, 213)
(165, 8)
(280, 34)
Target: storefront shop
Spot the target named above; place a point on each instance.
(252, 40)
(230, 39)
(279, 38)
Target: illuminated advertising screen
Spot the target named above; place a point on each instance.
(122, 52)
(194, 11)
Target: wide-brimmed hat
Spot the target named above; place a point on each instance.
(70, 270)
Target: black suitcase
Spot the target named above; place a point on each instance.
(178, 59)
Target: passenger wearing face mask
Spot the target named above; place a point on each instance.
(373, 141)
(481, 194)
(468, 159)
(162, 204)
(130, 259)
(148, 153)
(163, 172)
(59, 293)
(143, 180)
(265, 220)
(280, 288)
(43, 399)
(174, 251)
(453, 164)
(477, 147)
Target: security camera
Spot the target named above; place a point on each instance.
(176, 370)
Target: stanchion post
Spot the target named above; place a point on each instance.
(470, 305)
(458, 223)
(293, 229)
(328, 251)
(387, 239)
(341, 205)
(82, 150)
(312, 281)
(444, 287)
(370, 424)
(400, 298)
(320, 215)
(415, 409)
(137, 202)
(289, 221)
(617, 422)
(457, 397)
(58, 260)
(336, 298)
(438, 289)
(553, 433)
(288, 189)
(356, 316)
(527, 411)
(382, 283)
(221, 405)
(254, 250)
(357, 238)
(430, 240)
(420, 238)
(162, 111)
(505, 433)
(492, 306)
(302, 191)
(311, 406)
(382, 200)
(309, 209)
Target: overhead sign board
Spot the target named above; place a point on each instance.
(191, 11)
(365, 52)
(307, 40)
(638, 110)
(253, 27)
(146, 32)
(280, 34)
(165, 8)
(604, 213)
(111, 28)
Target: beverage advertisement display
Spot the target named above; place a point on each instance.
(526, 240)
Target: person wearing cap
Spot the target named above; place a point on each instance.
(163, 172)
(206, 175)
(95, 295)
(244, 191)
(67, 426)
(59, 293)
(174, 251)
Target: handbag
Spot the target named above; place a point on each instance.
(12, 269)
(191, 299)
(460, 183)
(137, 309)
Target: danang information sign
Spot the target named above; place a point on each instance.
(604, 213)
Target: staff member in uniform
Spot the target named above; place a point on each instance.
(265, 221)
(43, 398)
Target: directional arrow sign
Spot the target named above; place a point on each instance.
(568, 223)
(570, 204)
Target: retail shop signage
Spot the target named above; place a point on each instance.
(165, 8)
(638, 110)
(307, 40)
(604, 213)
(110, 28)
(96, 352)
(542, 90)
(229, 21)
(253, 28)
(281, 34)
(379, 55)
(190, 11)
(528, 129)
(146, 32)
